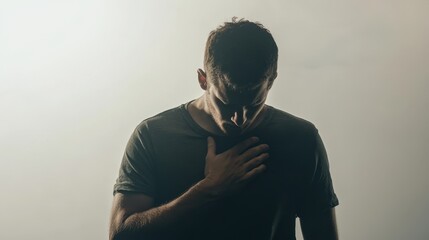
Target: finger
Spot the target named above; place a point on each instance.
(255, 162)
(242, 146)
(211, 147)
(254, 172)
(255, 151)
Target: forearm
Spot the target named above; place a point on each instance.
(320, 226)
(170, 216)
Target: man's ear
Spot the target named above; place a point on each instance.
(271, 80)
(202, 79)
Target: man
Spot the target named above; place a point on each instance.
(226, 165)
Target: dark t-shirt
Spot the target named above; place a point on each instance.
(165, 156)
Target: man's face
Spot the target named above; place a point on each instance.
(234, 111)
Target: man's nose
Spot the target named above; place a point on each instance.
(238, 118)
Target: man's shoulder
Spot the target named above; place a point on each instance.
(283, 119)
(173, 117)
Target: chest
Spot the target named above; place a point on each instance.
(181, 164)
(264, 202)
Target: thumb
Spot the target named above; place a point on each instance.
(211, 146)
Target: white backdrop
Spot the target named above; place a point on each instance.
(76, 77)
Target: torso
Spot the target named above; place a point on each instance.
(266, 207)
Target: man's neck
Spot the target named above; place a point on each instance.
(200, 113)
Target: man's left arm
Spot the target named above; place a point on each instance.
(321, 226)
(317, 210)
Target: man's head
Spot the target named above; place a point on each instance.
(241, 64)
(240, 53)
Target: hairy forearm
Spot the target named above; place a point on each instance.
(170, 216)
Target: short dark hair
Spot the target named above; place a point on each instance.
(241, 53)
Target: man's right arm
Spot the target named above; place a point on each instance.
(133, 215)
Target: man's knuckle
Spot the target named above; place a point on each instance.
(263, 147)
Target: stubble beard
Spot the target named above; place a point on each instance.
(219, 124)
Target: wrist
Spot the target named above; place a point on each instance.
(208, 189)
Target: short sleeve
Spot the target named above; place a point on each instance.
(137, 171)
(319, 194)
